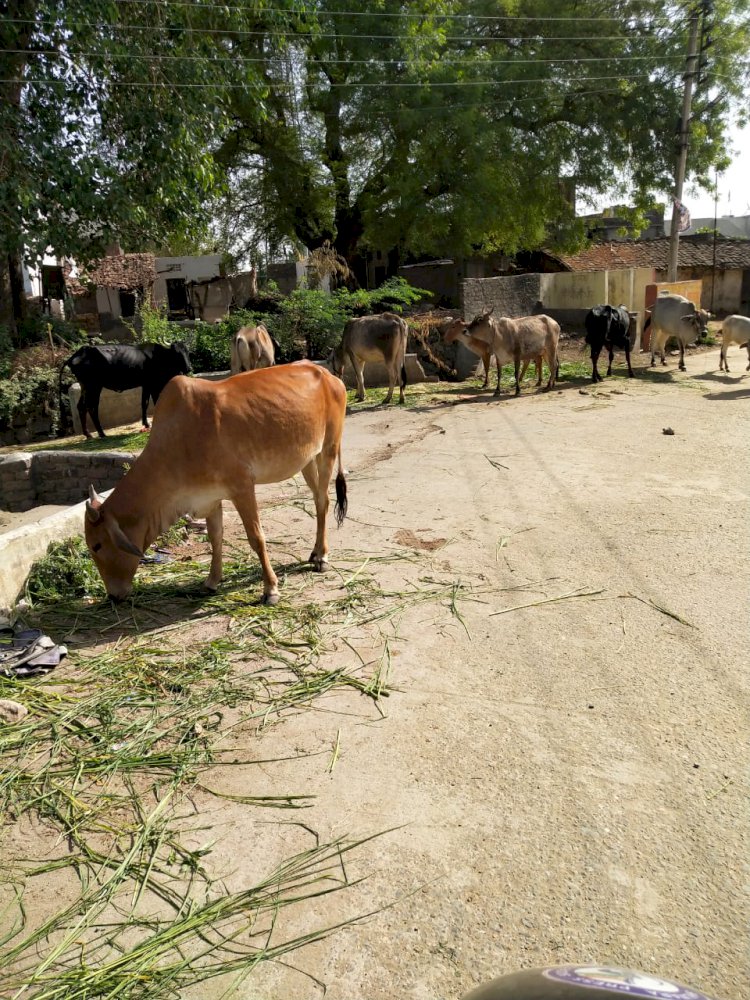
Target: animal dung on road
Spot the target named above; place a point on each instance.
(668, 431)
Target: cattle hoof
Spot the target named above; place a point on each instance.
(270, 599)
(682, 368)
(211, 588)
(319, 565)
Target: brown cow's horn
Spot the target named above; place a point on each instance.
(93, 514)
(122, 541)
(94, 496)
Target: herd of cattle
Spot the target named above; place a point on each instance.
(270, 422)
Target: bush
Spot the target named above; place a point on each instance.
(310, 322)
(151, 325)
(37, 328)
(28, 395)
(210, 344)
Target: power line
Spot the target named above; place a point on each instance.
(657, 4)
(53, 82)
(484, 39)
(241, 60)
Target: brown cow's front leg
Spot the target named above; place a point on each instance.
(486, 360)
(247, 507)
(517, 370)
(359, 371)
(215, 529)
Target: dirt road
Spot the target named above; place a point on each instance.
(564, 782)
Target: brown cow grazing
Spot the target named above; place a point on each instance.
(214, 441)
(373, 338)
(520, 341)
(252, 347)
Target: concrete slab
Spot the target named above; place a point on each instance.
(23, 545)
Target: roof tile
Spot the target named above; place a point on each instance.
(695, 251)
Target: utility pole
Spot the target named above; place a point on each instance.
(691, 73)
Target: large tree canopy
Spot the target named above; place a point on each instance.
(442, 127)
(434, 126)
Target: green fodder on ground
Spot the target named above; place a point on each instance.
(108, 776)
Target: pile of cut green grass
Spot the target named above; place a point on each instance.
(117, 755)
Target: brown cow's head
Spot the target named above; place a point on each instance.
(454, 331)
(336, 361)
(116, 557)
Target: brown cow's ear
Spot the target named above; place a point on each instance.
(122, 541)
(93, 514)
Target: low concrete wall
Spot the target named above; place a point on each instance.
(376, 375)
(118, 408)
(20, 548)
(30, 479)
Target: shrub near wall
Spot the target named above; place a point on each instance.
(29, 405)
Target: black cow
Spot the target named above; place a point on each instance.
(608, 326)
(124, 366)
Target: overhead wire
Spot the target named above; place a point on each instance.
(241, 60)
(252, 33)
(52, 81)
(434, 15)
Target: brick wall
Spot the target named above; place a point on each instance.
(29, 479)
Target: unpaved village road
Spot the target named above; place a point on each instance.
(566, 781)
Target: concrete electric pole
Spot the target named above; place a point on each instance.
(691, 74)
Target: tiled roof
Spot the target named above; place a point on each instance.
(695, 251)
(126, 270)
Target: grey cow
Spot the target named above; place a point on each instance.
(675, 316)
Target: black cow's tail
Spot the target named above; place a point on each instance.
(341, 500)
(63, 366)
(403, 376)
(646, 325)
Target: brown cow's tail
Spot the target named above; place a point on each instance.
(403, 356)
(342, 503)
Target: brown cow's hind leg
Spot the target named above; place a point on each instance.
(247, 507)
(215, 529)
(319, 483)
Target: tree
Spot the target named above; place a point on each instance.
(108, 115)
(446, 127)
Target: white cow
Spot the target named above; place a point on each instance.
(675, 316)
(735, 330)
(252, 347)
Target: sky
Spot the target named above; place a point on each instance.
(734, 183)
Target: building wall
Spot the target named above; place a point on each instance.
(440, 278)
(573, 289)
(727, 292)
(202, 268)
(518, 295)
